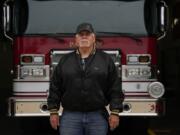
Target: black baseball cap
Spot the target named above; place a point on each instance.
(85, 27)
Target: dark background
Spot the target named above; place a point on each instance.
(169, 63)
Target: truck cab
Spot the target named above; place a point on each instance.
(42, 31)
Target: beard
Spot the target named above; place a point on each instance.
(84, 43)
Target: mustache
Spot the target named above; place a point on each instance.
(84, 41)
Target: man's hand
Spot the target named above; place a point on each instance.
(54, 121)
(113, 121)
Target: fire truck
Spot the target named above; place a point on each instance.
(42, 31)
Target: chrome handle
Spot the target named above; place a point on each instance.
(164, 16)
(6, 19)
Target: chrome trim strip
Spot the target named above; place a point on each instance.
(138, 114)
(135, 86)
(25, 94)
(121, 114)
(30, 86)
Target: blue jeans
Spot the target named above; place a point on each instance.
(83, 123)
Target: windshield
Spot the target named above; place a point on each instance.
(58, 16)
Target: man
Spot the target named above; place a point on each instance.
(84, 82)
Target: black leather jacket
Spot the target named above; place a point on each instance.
(85, 90)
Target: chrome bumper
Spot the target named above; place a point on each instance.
(20, 107)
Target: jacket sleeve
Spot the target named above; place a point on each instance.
(115, 93)
(55, 93)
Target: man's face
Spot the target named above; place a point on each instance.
(85, 39)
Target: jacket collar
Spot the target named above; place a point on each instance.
(92, 52)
